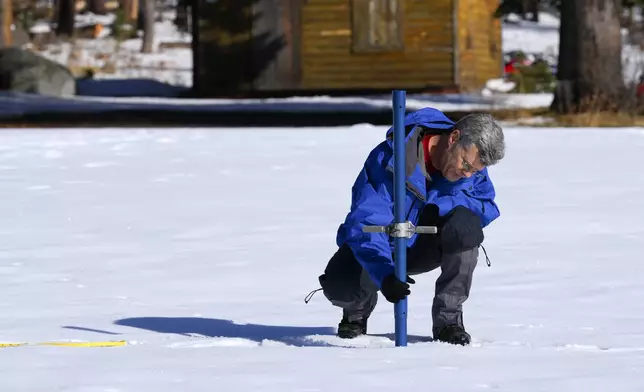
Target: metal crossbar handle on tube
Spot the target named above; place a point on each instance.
(400, 229)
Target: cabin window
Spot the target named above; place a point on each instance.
(377, 25)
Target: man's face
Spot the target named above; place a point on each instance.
(459, 162)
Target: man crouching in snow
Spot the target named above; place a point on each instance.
(447, 186)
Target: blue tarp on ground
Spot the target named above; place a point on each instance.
(20, 105)
(128, 88)
(13, 105)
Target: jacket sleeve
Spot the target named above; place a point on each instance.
(478, 196)
(372, 204)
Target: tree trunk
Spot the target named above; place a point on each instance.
(589, 76)
(627, 19)
(567, 71)
(148, 26)
(533, 8)
(131, 10)
(96, 7)
(65, 18)
(524, 9)
(7, 21)
(197, 58)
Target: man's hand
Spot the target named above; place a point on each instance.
(394, 290)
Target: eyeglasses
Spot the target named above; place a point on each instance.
(468, 167)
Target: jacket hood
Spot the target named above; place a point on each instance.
(427, 117)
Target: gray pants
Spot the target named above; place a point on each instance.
(347, 285)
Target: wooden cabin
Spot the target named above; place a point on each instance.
(273, 47)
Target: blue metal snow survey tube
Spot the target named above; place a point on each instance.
(400, 243)
(400, 229)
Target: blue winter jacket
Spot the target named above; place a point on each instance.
(372, 195)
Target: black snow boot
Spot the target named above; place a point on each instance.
(351, 329)
(454, 334)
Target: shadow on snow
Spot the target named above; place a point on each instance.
(219, 328)
(189, 326)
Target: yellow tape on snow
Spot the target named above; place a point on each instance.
(84, 344)
(69, 344)
(12, 344)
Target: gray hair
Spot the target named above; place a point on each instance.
(485, 133)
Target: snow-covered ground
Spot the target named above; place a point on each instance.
(124, 60)
(531, 37)
(197, 247)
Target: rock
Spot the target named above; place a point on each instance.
(25, 71)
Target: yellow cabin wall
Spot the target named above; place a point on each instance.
(480, 51)
(328, 61)
(436, 53)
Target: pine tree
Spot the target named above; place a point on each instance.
(231, 47)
